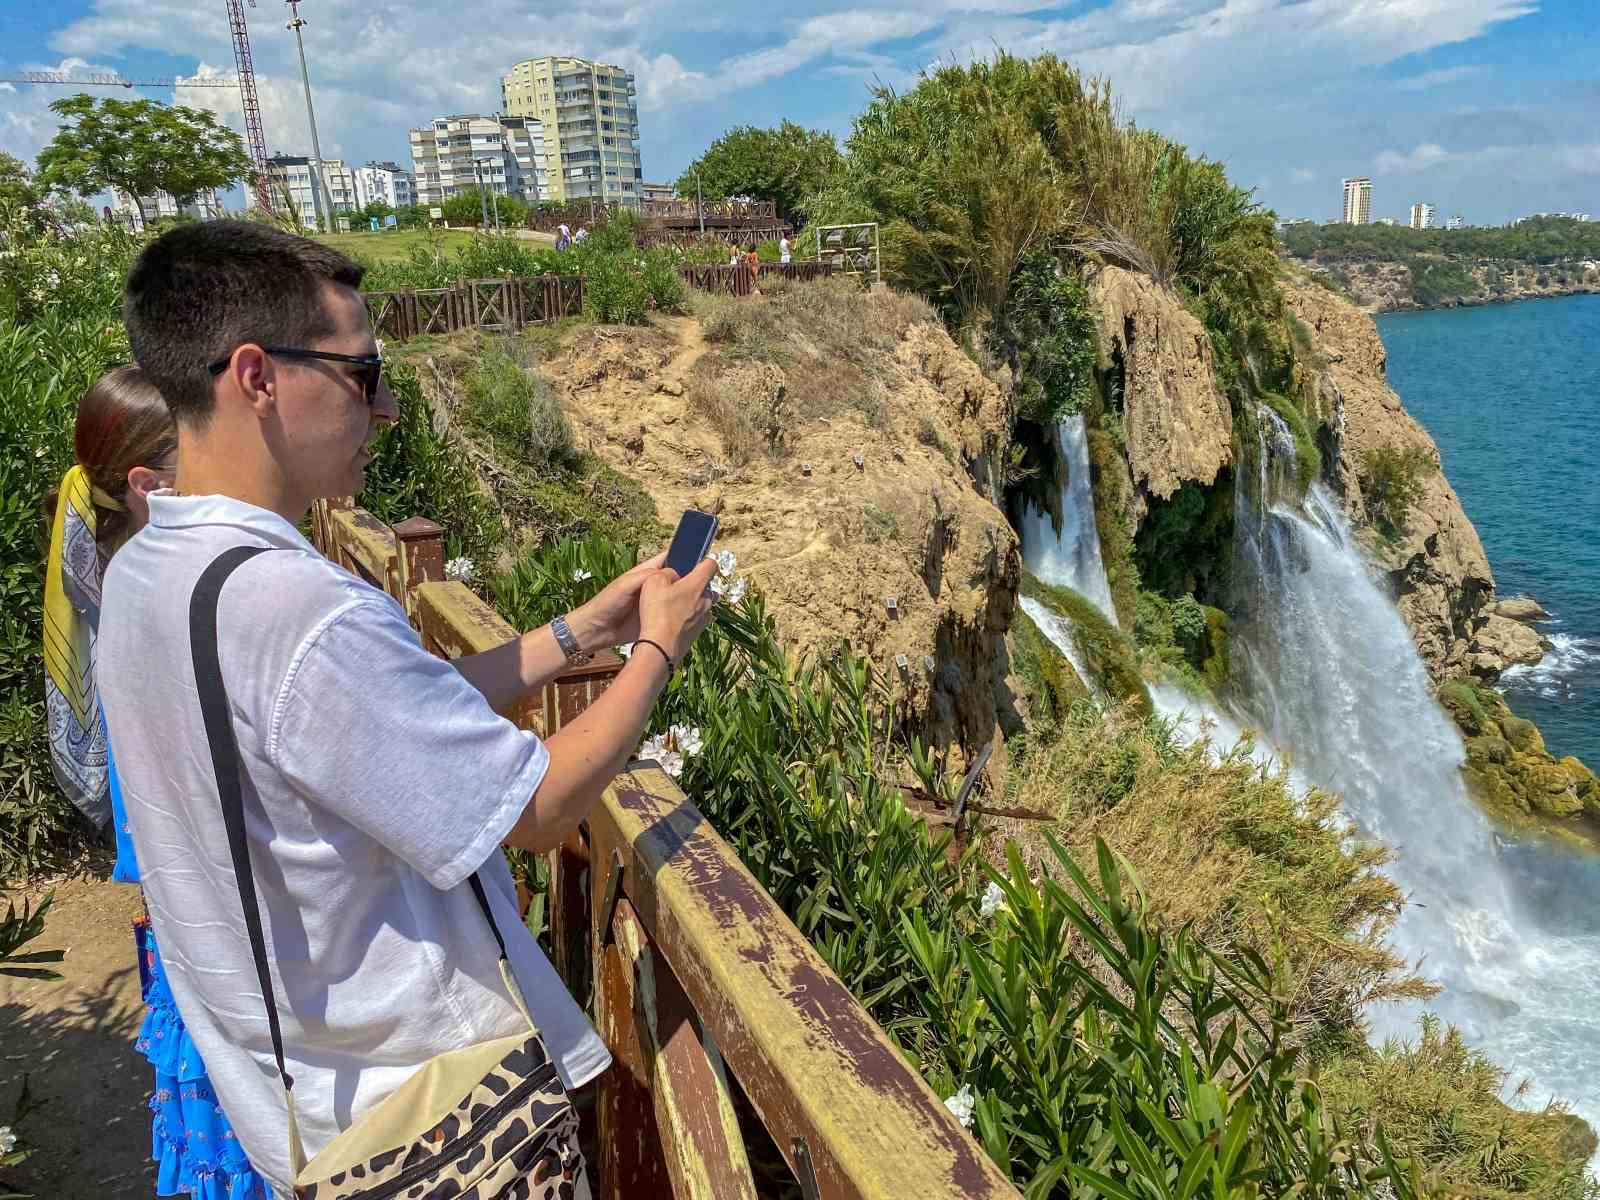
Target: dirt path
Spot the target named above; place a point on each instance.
(74, 1040)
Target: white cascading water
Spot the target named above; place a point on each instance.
(1323, 663)
(1324, 666)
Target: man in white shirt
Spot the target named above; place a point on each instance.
(783, 249)
(377, 778)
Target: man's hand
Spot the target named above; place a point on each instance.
(612, 617)
(674, 611)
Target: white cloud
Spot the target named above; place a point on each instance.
(1433, 79)
(1420, 159)
(1302, 175)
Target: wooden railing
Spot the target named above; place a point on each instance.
(511, 302)
(694, 975)
(662, 214)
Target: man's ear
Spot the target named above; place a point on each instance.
(251, 375)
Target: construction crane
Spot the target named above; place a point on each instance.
(247, 96)
(112, 79)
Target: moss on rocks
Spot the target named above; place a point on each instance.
(1051, 682)
(1108, 473)
(1108, 653)
(1508, 764)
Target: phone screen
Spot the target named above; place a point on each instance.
(692, 542)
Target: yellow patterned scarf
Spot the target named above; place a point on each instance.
(67, 634)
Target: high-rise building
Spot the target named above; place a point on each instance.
(589, 121)
(1456, 222)
(507, 153)
(385, 183)
(1357, 201)
(1421, 215)
(289, 179)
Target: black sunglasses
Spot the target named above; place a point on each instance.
(370, 376)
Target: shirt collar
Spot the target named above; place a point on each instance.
(169, 510)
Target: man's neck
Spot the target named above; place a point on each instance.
(211, 464)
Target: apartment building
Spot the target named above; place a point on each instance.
(658, 191)
(1358, 201)
(289, 178)
(1422, 215)
(589, 121)
(1456, 222)
(385, 183)
(453, 153)
(204, 207)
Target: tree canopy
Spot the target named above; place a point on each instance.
(141, 147)
(787, 164)
(464, 208)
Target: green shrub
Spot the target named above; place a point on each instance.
(1046, 331)
(614, 291)
(517, 411)
(1392, 481)
(1308, 459)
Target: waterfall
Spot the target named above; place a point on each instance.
(1324, 664)
(1324, 667)
(1069, 558)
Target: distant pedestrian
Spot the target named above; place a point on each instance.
(581, 236)
(783, 249)
(563, 237)
(735, 257)
(752, 259)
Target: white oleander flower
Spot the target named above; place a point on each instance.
(460, 569)
(686, 740)
(726, 562)
(626, 651)
(580, 575)
(736, 589)
(961, 1105)
(993, 900)
(8, 1140)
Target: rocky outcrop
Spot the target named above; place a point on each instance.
(1388, 286)
(1436, 566)
(1178, 424)
(1500, 642)
(1507, 761)
(860, 512)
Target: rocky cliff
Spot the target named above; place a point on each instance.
(1383, 285)
(1437, 565)
(848, 447)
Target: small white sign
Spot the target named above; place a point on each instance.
(436, 213)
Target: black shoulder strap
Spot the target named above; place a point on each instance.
(228, 769)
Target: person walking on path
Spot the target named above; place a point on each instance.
(126, 447)
(563, 237)
(326, 883)
(783, 249)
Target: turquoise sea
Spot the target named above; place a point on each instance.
(1509, 392)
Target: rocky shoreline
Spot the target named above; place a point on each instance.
(1382, 286)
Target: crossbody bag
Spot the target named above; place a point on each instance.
(481, 1123)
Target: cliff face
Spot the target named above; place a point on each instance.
(1438, 567)
(829, 542)
(1390, 286)
(1178, 425)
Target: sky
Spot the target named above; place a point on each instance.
(1487, 108)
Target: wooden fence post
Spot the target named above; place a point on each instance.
(421, 558)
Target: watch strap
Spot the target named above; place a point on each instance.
(567, 640)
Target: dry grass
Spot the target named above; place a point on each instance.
(1226, 847)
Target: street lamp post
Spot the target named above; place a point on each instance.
(319, 183)
(483, 201)
(699, 200)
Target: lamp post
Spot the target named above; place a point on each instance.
(319, 183)
(699, 200)
(483, 201)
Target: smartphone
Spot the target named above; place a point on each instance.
(692, 542)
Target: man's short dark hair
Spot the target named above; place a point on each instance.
(200, 290)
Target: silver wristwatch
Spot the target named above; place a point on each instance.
(567, 640)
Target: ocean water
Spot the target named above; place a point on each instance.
(1509, 392)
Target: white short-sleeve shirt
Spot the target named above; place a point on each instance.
(377, 781)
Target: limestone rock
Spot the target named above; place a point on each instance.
(1501, 642)
(1520, 608)
(1438, 570)
(826, 548)
(1179, 426)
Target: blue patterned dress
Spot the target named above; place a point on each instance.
(189, 1135)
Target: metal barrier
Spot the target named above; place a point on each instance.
(695, 976)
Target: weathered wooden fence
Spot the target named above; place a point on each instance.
(718, 215)
(693, 973)
(509, 302)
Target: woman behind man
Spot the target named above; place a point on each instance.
(126, 446)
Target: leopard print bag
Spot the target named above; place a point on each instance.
(486, 1122)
